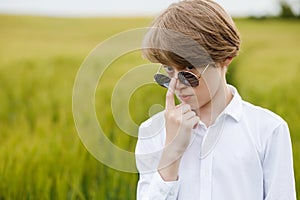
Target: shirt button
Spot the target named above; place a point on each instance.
(162, 191)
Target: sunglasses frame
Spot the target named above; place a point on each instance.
(197, 77)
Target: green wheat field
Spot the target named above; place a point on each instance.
(41, 155)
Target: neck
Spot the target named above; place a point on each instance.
(209, 112)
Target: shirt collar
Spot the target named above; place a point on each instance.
(234, 108)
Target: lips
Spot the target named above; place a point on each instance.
(184, 97)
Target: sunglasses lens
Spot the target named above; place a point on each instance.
(188, 79)
(162, 80)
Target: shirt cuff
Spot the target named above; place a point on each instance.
(160, 189)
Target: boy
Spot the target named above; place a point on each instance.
(213, 145)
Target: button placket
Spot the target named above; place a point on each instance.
(206, 178)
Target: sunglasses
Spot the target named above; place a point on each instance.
(185, 77)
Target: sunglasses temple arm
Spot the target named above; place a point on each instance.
(204, 69)
(159, 69)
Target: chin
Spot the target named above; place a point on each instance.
(194, 104)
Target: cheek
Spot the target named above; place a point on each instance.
(211, 84)
(205, 91)
(202, 94)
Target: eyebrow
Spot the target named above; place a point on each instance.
(178, 68)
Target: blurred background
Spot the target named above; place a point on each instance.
(42, 45)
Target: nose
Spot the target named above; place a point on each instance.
(176, 74)
(179, 84)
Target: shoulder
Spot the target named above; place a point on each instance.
(151, 134)
(262, 123)
(152, 125)
(261, 115)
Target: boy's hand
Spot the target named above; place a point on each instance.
(179, 123)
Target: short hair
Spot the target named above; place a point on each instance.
(203, 21)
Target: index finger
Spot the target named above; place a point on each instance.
(170, 102)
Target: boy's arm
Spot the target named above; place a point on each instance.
(151, 185)
(278, 170)
(161, 182)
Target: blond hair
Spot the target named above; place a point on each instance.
(203, 21)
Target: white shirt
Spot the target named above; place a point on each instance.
(245, 155)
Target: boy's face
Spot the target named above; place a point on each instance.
(209, 84)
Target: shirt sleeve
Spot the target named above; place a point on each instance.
(278, 169)
(153, 187)
(150, 185)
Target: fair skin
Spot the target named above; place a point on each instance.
(204, 102)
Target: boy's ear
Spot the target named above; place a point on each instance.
(227, 61)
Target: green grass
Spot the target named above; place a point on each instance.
(40, 152)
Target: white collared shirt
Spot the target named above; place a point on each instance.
(245, 155)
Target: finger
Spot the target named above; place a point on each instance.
(195, 121)
(185, 108)
(170, 102)
(189, 115)
(179, 105)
